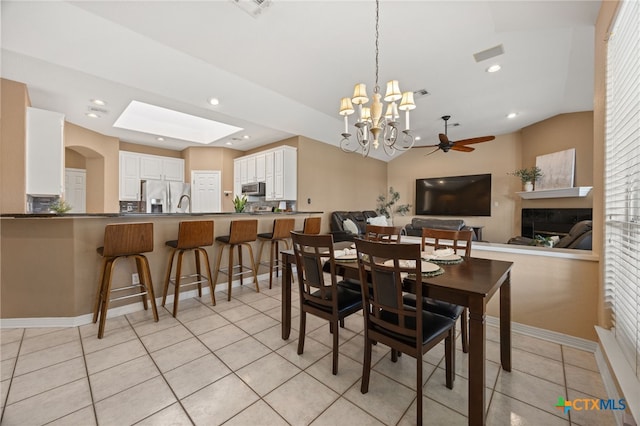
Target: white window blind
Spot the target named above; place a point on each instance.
(622, 181)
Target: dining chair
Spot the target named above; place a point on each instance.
(406, 329)
(389, 234)
(327, 300)
(439, 239)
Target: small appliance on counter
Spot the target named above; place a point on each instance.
(164, 196)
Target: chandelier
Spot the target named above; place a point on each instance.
(372, 128)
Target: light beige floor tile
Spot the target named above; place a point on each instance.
(272, 337)
(404, 370)
(585, 381)
(186, 304)
(114, 324)
(195, 375)
(149, 326)
(256, 323)
(114, 355)
(122, 376)
(172, 415)
(301, 399)
(590, 417)
(433, 413)
(248, 294)
(344, 412)
(142, 317)
(323, 336)
(313, 351)
(579, 358)
(49, 405)
(112, 337)
(239, 313)
(49, 340)
(223, 304)
(242, 353)
(266, 304)
(506, 411)
(536, 346)
(4, 391)
(6, 368)
(457, 398)
(219, 401)
(166, 337)
(386, 399)
(9, 350)
(354, 349)
(205, 324)
(538, 366)
(181, 353)
(349, 372)
(222, 336)
(82, 417)
(44, 379)
(45, 358)
(267, 373)
(135, 404)
(189, 313)
(40, 331)
(8, 335)
(257, 414)
(462, 368)
(530, 389)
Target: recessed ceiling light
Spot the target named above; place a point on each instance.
(156, 120)
(418, 138)
(98, 102)
(214, 101)
(92, 115)
(512, 115)
(160, 138)
(494, 68)
(246, 137)
(228, 143)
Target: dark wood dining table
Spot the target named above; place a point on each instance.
(471, 283)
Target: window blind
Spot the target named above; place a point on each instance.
(622, 181)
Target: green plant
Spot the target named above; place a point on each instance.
(61, 206)
(531, 174)
(239, 203)
(387, 206)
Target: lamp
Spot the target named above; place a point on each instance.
(373, 128)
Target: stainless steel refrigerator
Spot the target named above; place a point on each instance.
(164, 196)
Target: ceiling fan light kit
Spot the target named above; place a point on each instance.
(371, 125)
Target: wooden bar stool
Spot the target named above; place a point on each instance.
(192, 237)
(281, 233)
(312, 225)
(122, 241)
(242, 233)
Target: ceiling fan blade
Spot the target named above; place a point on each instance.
(475, 140)
(426, 146)
(443, 138)
(462, 148)
(432, 152)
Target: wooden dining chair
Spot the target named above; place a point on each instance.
(440, 239)
(406, 329)
(327, 300)
(388, 234)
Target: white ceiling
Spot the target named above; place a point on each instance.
(283, 73)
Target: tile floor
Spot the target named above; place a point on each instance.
(227, 364)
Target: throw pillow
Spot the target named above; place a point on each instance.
(350, 226)
(378, 221)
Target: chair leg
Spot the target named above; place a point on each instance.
(240, 262)
(273, 246)
(394, 355)
(149, 285)
(218, 261)
(449, 356)
(253, 266)
(342, 322)
(260, 249)
(336, 341)
(176, 291)
(101, 281)
(212, 287)
(104, 303)
(419, 387)
(230, 271)
(366, 365)
(167, 277)
(196, 255)
(464, 330)
(143, 296)
(301, 334)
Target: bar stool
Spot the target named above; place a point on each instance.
(122, 241)
(312, 225)
(242, 233)
(192, 237)
(281, 233)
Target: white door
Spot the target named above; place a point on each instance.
(75, 189)
(205, 191)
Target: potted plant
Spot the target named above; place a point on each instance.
(386, 205)
(528, 176)
(60, 206)
(239, 203)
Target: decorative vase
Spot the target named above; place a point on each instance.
(528, 186)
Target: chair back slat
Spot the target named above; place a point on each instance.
(312, 225)
(311, 251)
(282, 228)
(124, 239)
(442, 238)
(243, 231)
(195, 234)
(390, 234)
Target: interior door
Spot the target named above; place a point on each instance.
(75, 189)
(205, 191)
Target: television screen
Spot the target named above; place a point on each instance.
(454, 196)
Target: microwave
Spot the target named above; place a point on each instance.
(257, 188)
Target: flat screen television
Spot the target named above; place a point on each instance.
(454, 196)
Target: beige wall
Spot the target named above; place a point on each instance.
(74, 160)
(15, 99)
(151, 150)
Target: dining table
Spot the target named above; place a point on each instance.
(471, 283)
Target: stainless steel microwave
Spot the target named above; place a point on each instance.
(257, 188)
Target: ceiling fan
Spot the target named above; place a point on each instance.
(461, 145)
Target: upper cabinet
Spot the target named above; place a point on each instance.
(136, 167)
(251, 168)
(276, 167)
(44, 153)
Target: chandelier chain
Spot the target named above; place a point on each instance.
(376, 87)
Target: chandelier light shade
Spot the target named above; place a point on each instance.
(373, 128)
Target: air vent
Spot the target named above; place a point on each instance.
(252, 7)
(97, 109)
(489, 53)
(420, 93)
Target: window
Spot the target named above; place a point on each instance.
(622, 181)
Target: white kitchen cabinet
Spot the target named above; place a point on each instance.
(129, 176)
(237, 179)
(260, 167)
(44, 152)
(173, 169)
(158, 167)
(281, 174)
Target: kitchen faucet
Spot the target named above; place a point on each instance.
(188, 202)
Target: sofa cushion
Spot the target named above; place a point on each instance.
(448, 224)
(378, 221)
(350, 226)
(575, 232)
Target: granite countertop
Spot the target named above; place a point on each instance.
(82, 215)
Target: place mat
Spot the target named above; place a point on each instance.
(447, 260)
(347, 258)
(427, 267)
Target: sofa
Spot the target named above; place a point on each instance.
(344, 231)
(579, 238)
(417, 223)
